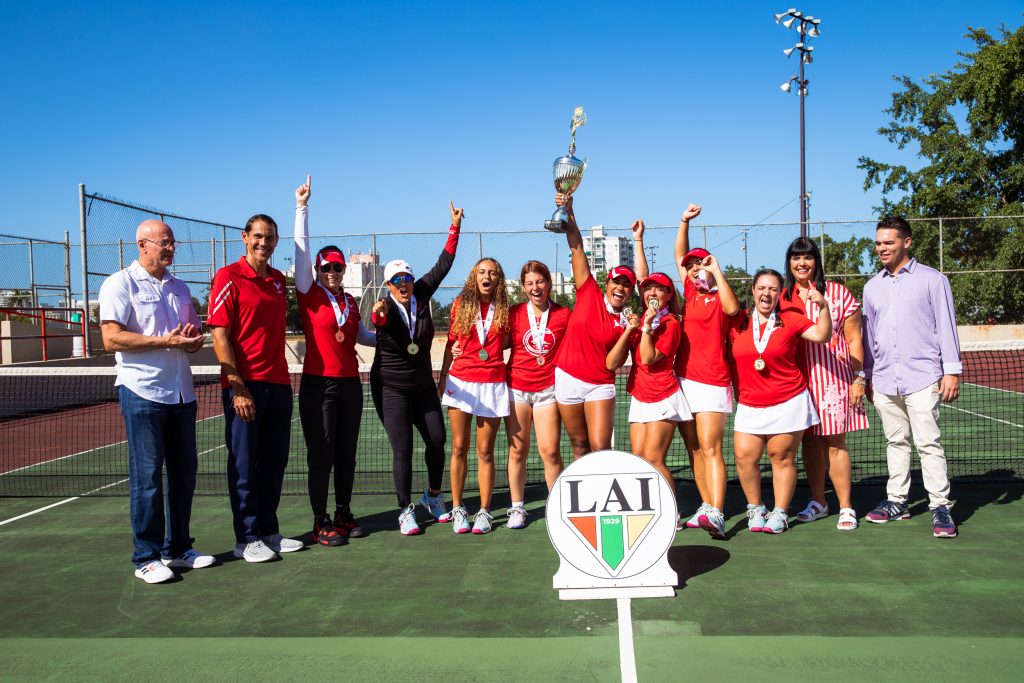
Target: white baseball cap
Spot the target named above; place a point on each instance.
(396, 267)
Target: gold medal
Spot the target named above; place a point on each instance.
(339, 335)
(759, 364)
(540, 360)
(413, 348)
(653, 304)
(483, 355)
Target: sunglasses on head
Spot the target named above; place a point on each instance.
(401, 279)
(332, 267)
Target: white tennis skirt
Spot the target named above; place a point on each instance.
(544, 397)
(794, 415)
(672, 409)
(569, 390)
(483, 399)
(706, 398)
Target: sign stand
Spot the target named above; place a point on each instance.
(627, 658)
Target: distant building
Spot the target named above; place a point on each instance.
(605, 252)
(562, 283)
(362, 270)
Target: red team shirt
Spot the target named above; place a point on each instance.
(467, 366)
(254, 310)
(782, 378)
(592, 331)
(702, 353)
(524, 373)
(325, 357)
(657, 381)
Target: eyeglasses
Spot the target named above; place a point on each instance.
(163, 244)
(332, 267)
(401, 279)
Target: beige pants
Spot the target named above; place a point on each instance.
(915, 414)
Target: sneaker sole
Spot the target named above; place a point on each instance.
(254, 560)
(413, 532)
(707, 525)
(332, 543)
(140, 575)
(889, 519)
(943, 534)
(481, 532)
(174, 564)
(462, 531)
(772, 532)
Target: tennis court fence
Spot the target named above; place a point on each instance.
(61, 433)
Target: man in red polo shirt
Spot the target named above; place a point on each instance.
(247, 318)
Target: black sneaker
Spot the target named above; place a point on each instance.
(325, 533)
(346, 525)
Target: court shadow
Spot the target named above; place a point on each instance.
(689, 561)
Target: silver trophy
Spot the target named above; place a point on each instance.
(568, 172)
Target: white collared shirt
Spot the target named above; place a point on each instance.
(144, 305)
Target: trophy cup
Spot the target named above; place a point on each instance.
(568, 171)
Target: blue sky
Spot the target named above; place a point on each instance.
(218, 110)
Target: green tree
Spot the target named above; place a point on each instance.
(844, 259)
(967, 128)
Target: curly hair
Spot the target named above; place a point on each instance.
(464, 319)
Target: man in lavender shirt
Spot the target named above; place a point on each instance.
(911, 362)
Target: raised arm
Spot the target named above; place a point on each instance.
(428, 284)
(580, 265)
(303, 260)
(730, 304)
(639, 258)
(683, 238)
(821, 331)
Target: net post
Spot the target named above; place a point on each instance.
(86, 342)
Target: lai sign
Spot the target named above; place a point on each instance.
(611, 518)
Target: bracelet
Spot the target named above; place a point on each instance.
(647, 330)
(861, 381)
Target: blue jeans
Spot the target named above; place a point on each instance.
(257, 457)
(159, 435)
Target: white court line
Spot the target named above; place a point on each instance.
(994, 419)
(61, 502)
(985, 386)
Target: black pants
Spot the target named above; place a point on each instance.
(400, 411)
(330, 409)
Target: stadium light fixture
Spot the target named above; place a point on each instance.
(807, 28)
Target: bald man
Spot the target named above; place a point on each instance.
(147, 318)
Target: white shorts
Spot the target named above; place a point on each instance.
(794, 415)
(673, 409)
(570, 391)
(483, 399)
(706, 398)
(544, 397)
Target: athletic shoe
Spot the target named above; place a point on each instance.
(255, 551)
(153, 572)
(325, 533)
(943, 525)
(776, 522)
(713, 522)
(435, 506)
(888, 511)
(347, 525)
(694, 522)
(460, 520)
(516, 517)
(482, 522)
(756, 517)
(407, 522)
(679, 523)
(280, 544)
(190, 559)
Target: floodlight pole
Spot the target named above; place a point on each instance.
(803, 155)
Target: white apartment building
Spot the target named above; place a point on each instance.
(605, 252)
(361, 271)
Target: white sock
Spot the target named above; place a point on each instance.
(517, 503)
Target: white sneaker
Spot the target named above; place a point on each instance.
(255, 551)
(482, 522)
(190, 559)
(460, 520)
(154, 572)
(435, 506)
(280, 544)
(516, 517)
(694, 522)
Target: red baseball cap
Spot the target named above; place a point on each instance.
(330, 257)
(695, 253)
(659, 279)
(623, 271)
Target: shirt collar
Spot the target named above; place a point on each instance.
(909, 268)
(139, 273)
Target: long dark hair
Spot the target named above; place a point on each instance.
(803, 246)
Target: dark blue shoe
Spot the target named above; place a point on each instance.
(888, 511)
(942, 524)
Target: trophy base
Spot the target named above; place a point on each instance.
(556, 226)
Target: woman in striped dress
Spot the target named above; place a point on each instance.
(835, 379)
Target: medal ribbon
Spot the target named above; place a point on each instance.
(622, 316)
(537, 329)
(341, 315)
(483, 326)
(760, 343)
(411, 324)
(656, 321)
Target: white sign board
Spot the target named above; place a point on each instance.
(612, 518)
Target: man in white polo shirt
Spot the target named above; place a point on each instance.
(147, 317)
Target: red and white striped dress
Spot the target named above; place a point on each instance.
(827, 367)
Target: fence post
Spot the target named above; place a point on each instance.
(480, 245)
(821, 245)
(374, 260)
(32, 280)
(213, 257)
(67, 269)
(120, 254)
(87, 342)
(223, 245)
(705, 229)
(942, 263)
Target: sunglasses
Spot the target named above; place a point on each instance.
(332, 267)
(401, 279)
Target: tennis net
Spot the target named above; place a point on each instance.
(61, 433)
